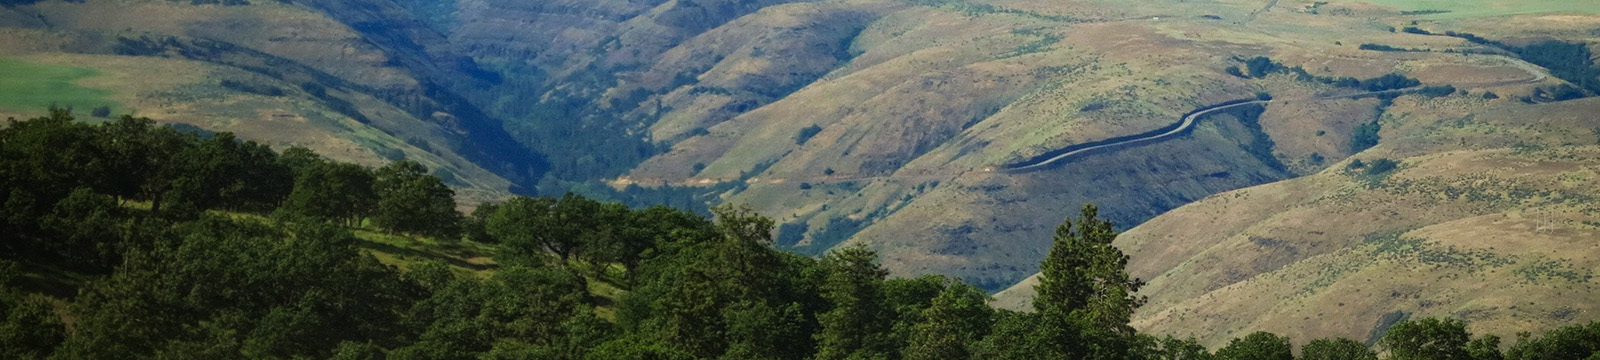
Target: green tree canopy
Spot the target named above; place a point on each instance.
(411, 201)
(1257, 346)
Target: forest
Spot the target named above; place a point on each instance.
(203, 246)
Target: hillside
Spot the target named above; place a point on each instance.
(280, 74)
(894, 124)
(1491, 207)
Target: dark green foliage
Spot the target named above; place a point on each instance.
(1336, 349)
(1257, 346)
(1560, 93)
(64, 183)
(1179, 349)
(727, 293)
(1574, 342)
(332, 192)
(475, 228)
(1387, 48)
(1366, 136)
(224, 287)
(839, 229)
(1234, 70)
(529, 227)
(1573, 62)
(806, 134)
(1437, 91)
(85, 227)
(1389, 82)
(520, 312)
(855, 327)
(101, 112)
(29, 327)
(1381, 166)
(958, 317)
(1085, 298)
(1488, 348)
(411, 201)
(1261, 66)
(1427, 339)
(1019, 336)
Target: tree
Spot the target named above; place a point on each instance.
(1573, 342)
(334, 192)
(1022, 336)
(223, 172)
(857, 325)
(958, 318)
(1257, 346)
(1487, 348)
(29, 327)
(1427, 339)
(1084, 291)
(475, 228)
(1174, 349)
(1336, 349)
(529, 227)
(226, 289)
(299, 159)
(411, 201)
(1261, 66)
(84, 230)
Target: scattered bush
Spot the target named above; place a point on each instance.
(806, 134)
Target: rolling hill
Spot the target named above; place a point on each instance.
(890, 123)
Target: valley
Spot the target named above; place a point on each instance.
(1234, 141)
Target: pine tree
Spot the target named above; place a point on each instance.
(857, 324)
(959, 316)
(1085, 298)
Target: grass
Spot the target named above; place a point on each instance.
(32, 86)
(1456, 9)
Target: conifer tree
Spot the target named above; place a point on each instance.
(1085, 298)
(857, 325)
(959, 316)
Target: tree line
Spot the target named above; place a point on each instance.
(195, 247)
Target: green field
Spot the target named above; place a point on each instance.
(31, 87)
(1454, 9)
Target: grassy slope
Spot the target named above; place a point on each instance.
(27, 86)
(175, 90)
(935, 95)
(1494, 206)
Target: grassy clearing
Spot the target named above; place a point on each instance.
(1455, 9)
(32, 86)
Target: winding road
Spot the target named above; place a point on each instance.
(1066, 154)
(1187, 123)
(1190, 120)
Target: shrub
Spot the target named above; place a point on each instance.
(806, 134)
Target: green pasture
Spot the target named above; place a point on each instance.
(1455, 9)
(30, 87)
